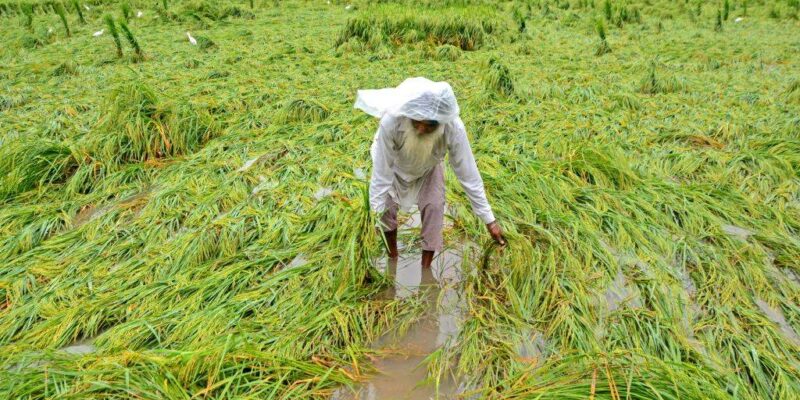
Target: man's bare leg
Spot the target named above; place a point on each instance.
(391, 242)
(427, 258)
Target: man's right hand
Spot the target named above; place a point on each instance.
(496, 232)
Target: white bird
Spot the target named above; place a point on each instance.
(86, 7)
(349, 6)
(98, 33)
(49, 29)
(192, 40)
(139, 14)
(738, 19)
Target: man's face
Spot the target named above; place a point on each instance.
(424, 127)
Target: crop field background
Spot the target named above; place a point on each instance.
(183, 184)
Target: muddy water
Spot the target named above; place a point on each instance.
(402, 371)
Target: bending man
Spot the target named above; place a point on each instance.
(420, 125)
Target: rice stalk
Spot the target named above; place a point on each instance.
(112, 30)
(132, 41)
(62, 14)
(77, 5)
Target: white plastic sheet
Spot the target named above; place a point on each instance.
(416, 98)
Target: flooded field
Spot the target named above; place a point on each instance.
(184, 206)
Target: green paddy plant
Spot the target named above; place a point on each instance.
(125, 11)
(448, 52)
(28, 161)
(498, 79)
(77, 6)
(654, 84)
(58, 7)
(27, 11)
(67, 67)
(132, 41)
(602, 47)
(608, 12)
(139, 126)
(465, 29)
(302, 110)
(726, 9)
(718, 24)
(112, 30)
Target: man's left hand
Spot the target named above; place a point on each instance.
(496, 232)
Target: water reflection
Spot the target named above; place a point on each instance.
(400, 374)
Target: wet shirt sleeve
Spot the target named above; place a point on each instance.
(383, 156)
(466, 170)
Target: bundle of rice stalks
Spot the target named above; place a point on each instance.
(448, 52)
(139, 56)
(603, 47)
(497, 79)
(304, 111)
(112, 30)
(653, 84)
(27, 162)
(214, 11)
(466, 30)
(138, 126)
(792, 93)
(66, 68)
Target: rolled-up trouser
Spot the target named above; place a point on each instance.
(431, 208)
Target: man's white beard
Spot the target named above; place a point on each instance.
(418, 148)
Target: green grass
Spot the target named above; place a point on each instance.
(666, 169)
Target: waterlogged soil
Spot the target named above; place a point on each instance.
(402, 369)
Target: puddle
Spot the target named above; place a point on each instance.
(402, 371)
(263, 185)
(776, 316)
(298, 261)
(737, 232)
(79, 348)
(359, 173)
(322, 192)
(620, 293)
(791, 275)
(531, 346)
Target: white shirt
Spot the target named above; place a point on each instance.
(387, 167)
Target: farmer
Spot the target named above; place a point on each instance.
(419, 124)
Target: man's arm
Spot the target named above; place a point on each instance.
(383, 155)
(463, 163)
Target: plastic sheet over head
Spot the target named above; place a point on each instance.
(415, 98)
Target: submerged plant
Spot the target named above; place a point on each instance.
(112, 30)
